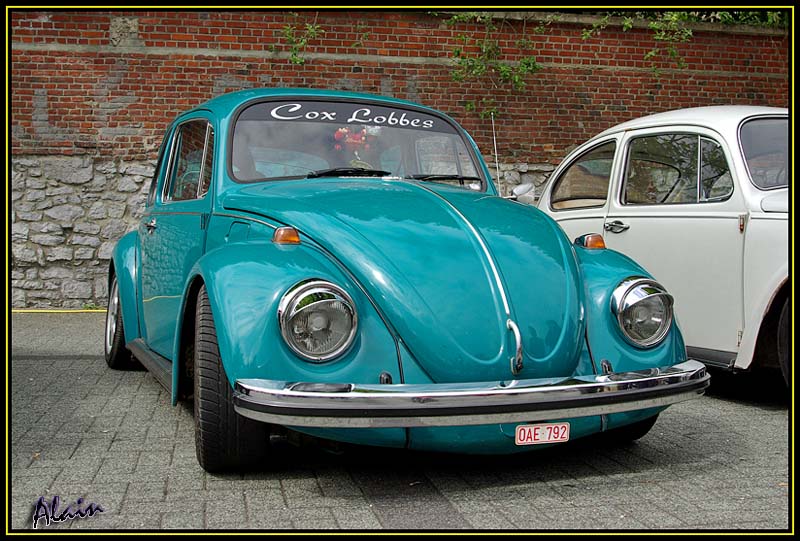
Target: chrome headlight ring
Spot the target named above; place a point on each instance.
(643, 310)
(318, 320)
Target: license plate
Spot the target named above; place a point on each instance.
(542, 433)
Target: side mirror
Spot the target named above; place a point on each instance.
(519, 190)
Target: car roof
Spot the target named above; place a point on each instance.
(716, 117)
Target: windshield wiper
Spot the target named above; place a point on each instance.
(348, 172)
(443, 177)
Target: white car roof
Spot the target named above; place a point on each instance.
(717, 117)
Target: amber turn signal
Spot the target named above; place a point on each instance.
(286, 235)
(593, 241)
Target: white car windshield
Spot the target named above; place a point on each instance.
(294, 139)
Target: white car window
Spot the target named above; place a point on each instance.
(664, 170)
(584, 184)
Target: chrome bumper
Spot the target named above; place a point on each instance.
(377, 406)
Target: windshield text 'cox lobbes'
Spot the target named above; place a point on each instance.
(364, 115)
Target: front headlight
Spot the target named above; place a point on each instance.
(318, 320)
(643, 309)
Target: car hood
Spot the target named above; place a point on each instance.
(447, 267)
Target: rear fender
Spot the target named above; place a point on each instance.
(125, 265)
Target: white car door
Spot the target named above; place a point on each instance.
(577, 195)
(677, 211)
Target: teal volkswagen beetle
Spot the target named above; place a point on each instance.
(342, 265)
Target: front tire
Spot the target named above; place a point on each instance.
(224, 440)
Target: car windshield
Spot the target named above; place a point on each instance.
(280, 140)
(765, 143)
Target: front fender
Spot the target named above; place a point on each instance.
(125, 263)
(602, 271)
(245, 283)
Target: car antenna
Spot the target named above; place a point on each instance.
(494, 140)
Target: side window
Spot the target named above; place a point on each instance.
(716, 183)
(187, 161)
(662, 169)
(584, 184)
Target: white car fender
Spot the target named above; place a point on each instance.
(756, 314)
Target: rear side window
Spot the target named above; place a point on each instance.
(676, 168)
(584, 184)
(189, 162)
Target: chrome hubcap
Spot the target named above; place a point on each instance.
(111, 315)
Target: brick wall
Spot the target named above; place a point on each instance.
(107, 83)
(99, 87)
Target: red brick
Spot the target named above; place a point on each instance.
(585, 80)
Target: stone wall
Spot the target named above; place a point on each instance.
(514, 174)
(67, 213)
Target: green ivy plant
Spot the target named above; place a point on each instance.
(362, 35)
(478, 55)
(486, 62)
(670, 28)
(297, 38)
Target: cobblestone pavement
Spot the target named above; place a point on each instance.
(81, 430)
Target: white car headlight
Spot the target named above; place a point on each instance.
(318, 320)
(643, 309)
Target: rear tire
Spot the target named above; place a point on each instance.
(224, 440)
(783, 344)
(118, 357)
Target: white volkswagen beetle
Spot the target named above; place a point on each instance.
(700, 198)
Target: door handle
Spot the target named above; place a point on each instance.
(616, 226)
(151, 225)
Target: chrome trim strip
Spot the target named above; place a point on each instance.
(256, 220)
(172, 212)
(516, 360)
(485, 249)
(453, 404)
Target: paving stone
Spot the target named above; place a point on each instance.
(114, 438)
